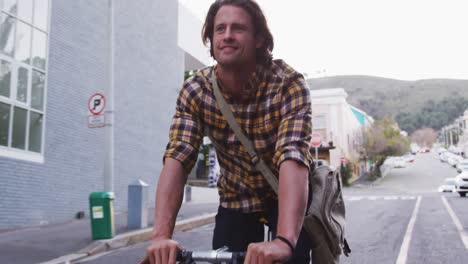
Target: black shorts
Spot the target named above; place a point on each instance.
(237, 230)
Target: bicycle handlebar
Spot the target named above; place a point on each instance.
(212, 256)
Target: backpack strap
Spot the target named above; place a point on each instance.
(259, 164)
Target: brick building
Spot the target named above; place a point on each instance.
(53, 56)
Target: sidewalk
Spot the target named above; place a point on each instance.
(72, 240)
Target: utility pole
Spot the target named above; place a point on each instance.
(109, 134)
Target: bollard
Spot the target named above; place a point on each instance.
(188, 193)
(137, 216)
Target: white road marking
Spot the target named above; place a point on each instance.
(456, 221)
(375, 198)
(409, 231)
(408, 197)
(354, 198)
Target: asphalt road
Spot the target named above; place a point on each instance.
(399, 219)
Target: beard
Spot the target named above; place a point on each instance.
(234, 61)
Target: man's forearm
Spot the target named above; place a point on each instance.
(292, 199)
(169, 196)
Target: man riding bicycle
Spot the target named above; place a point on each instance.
(271, 103)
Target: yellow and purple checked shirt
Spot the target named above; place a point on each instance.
(276, 117)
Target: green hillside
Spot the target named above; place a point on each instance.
(381, 97)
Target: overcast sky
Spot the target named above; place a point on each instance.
(401, 39)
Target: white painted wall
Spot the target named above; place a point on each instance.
(341, 122)
(190, 40)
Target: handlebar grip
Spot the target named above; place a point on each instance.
(240, 256)
(184, 256)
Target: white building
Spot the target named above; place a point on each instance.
(340, 124)
(196, 55)
(463, 142)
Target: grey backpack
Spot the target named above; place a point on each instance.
(325, 219)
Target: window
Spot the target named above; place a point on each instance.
(319, 125)
(23, 74)
(319, 121)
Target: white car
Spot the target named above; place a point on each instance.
(444, 156)
(453, 160)
(461, 183)
(448, 186)
(440, 150)
(409, 158)
(458, 159)
(399, 163)
(462, 165)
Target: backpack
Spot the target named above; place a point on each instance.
(325, 218)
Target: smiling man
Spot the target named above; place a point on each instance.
(271, 103)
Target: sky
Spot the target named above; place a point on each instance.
(399, 39)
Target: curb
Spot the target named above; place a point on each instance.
(130, 238)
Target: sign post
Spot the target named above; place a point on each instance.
(316, 142)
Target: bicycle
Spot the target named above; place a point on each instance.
(218, 256)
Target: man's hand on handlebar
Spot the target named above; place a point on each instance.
(268, 252)
(163, 251)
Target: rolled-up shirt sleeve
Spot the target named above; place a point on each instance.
(185, 132)
(294, 133)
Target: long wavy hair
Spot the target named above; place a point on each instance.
(264, 53)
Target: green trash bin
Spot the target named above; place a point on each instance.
(101, 213)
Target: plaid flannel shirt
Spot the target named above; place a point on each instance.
(276, 117)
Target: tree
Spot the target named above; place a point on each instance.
(346, 173)
(424, 137)
(384, 139)
(188, 74)
(433, 114)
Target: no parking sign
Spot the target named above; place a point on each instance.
(96, 105)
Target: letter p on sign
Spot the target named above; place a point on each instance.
(96, 104)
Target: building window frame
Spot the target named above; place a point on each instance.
(28, 152)
(322, 129)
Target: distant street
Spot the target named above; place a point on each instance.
(399, 219)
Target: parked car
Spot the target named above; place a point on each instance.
(461, 183)
(448, 186)
(444, 156)
(440, 150)
(455, 150)
(453, 160)
(399, 163)
(409, 158)
(462, 165)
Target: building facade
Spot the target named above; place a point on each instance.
(54, 55)
(340, 125)
(455, 135)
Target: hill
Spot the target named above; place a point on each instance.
(381, 97)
